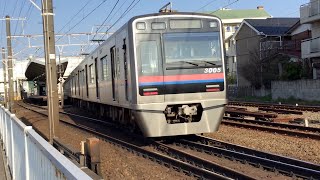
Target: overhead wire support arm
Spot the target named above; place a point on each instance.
(35, 5)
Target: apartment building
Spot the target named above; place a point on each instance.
(310, 14)
(231, 20)
(257, 39)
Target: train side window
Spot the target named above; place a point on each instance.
(75, 84)
(104, 69)
(149, 57)
(91, 73)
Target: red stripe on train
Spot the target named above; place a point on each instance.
(185, 77)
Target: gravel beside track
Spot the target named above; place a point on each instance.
(116, 163)
(300, 148)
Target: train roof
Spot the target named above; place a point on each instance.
(148, 15)
(171, 13)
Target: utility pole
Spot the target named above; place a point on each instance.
(4, 68)
(10, 73)
(51, 72)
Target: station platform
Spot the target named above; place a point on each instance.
(3, 170)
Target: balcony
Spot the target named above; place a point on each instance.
(231, 51)
(310, 12)
(310, 48)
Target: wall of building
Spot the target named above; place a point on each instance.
(315, 29)
(301, 89)
(247, 42)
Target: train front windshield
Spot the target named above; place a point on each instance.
(192, 47)
(184, 56)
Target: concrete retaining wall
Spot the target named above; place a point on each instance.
(301, 89)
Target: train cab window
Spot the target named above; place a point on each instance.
(91, 73)
(149, 58)
(195, 47)
(104, 69)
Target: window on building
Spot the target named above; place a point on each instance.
(228, 29)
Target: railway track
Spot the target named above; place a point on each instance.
(287, 166)
(287, 129)
(170, 157)
(276, 106)
(201, 168)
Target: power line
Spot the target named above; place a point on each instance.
(83, 18)
(205, 5)
(24, 2)
(123, 14)
(3, 12)
(14, 8)
(226, 6)
(80, 10)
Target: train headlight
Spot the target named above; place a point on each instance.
(141, 25)
(213, 24)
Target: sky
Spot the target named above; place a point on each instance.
(73, 16)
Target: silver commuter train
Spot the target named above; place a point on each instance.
(163, 73)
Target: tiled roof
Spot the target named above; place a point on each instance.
(239, 13)
(273, 26)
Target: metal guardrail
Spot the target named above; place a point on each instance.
(29, 156)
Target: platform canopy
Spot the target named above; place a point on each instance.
(36, 69)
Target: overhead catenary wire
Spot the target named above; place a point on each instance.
(15, 30)
(128, 9)
(103, 23)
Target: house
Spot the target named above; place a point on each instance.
(257, 39)
(231, 20)
(310, 14)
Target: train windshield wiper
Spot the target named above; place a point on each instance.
(184, 62)
(208, 62)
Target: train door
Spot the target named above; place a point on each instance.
(125, 66)
(114, 73)
(86, 80)
(96, 77)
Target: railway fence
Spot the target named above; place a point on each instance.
(29, 156)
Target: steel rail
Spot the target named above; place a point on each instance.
(199, 162)
(170, 162)
(274, 124)
(285, 165)
(280, 106)
(67, 151)
(287, 129)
